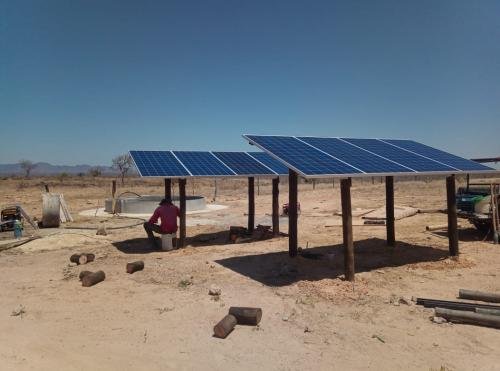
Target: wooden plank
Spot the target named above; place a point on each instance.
(452, 215)
(251, 204)
(292, 213)
(182, 204)
(345, 194)
(389, 211)
(276, 207)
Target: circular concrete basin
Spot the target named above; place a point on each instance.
(148, 204)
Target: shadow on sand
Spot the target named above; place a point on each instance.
(143, 245)
(278, 269)
(467, 235)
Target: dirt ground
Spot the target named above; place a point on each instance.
(161, 318)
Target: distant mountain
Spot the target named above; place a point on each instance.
(44, 168)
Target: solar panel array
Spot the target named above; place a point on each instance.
(181, 164)
(340, 157)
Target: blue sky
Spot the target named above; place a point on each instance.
(83, 81)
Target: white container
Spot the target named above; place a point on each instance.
(166, 242)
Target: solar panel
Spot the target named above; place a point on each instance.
(158, 163)
(243, 164)
(203, 163)
(270, 162)
(301, 157)
(437, 155)
(362, 159)
(315, 156)
(405, 158)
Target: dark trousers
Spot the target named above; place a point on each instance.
(150, 228)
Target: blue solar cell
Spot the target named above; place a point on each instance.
(158, 163)
(243, 164)
(304, 158)
(355, 156)
(203, 163)
(405, 158)
(270, 162)
(438, 155)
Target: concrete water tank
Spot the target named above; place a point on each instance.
(148, 204)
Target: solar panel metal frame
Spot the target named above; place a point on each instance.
(274, 175)
(363, 174)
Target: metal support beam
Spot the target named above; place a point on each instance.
(276, 207)
(345, 193)
(251, 204)
(389, 211)
(182, 204)
(292, 213)
(452, 215)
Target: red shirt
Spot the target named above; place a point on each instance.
(168, 215)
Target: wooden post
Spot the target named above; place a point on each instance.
(452, 215)
(113, 188)
(215, 189)
(292, 213)
(314, 184)
(168, 189)
(182, 204)
(389, 210)
(345, 193)
(251, 204)
(276, 207)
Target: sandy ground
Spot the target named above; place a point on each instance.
(161, 318)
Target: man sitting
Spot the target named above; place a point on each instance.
(168, 214)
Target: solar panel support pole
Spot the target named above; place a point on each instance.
(345, 194)
(168, 189)
(452, 215)
(182, 204)
(389, 210)
(251, 204)
(276, 207)
(292, 213)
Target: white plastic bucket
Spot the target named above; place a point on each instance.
(166, 242)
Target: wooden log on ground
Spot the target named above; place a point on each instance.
(83, 274)
(431, 211)
(82, 258)
(479, 295)
(86, 258)
(374, 222)
(472, 318)
(225, 326)
(436, 227)
(75, 258)
(246, 315)
(135, 266)
(93, 278)
(494, 312)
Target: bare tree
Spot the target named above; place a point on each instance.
(27, 166)
(122, 163)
